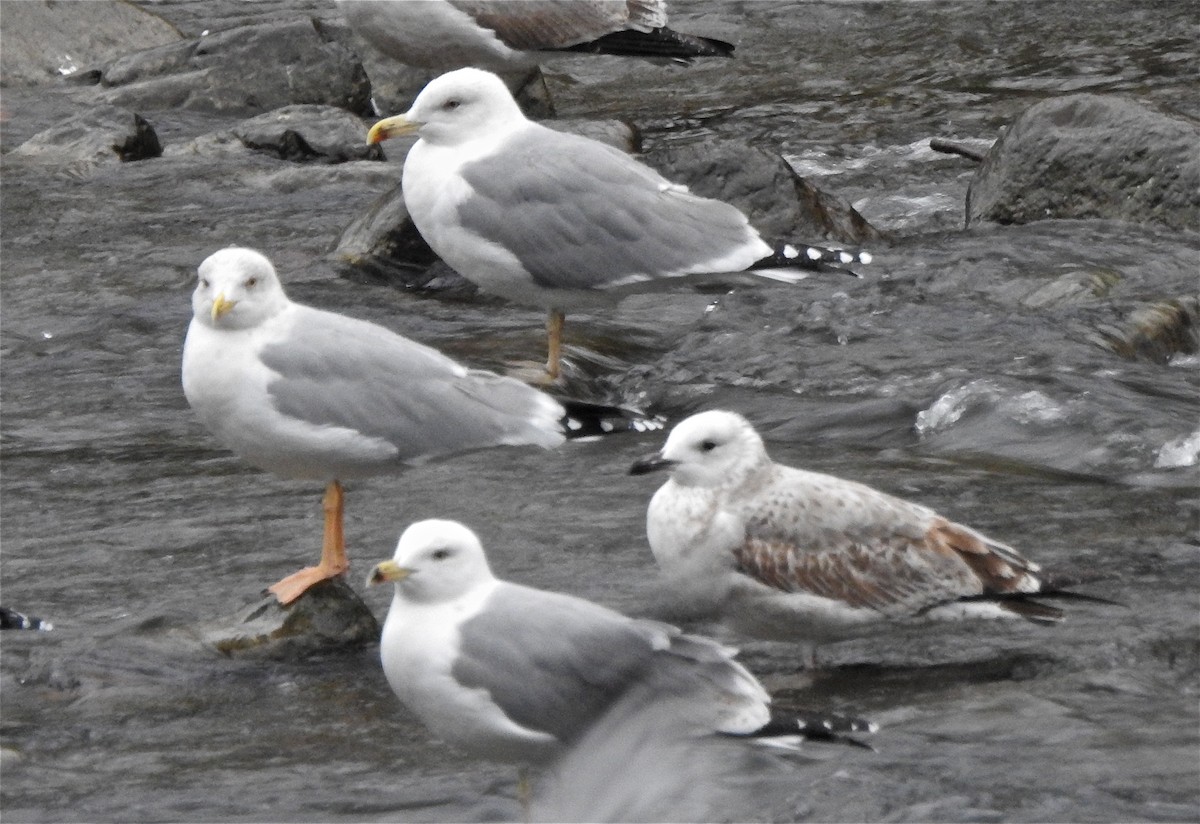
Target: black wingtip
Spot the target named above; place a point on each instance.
(11, 619)
(818, 726)
(589, 420)
(655, 43)
(815, 258)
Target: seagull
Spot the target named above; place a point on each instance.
(561, 221)
(512, 673)
(314, 395)
(787, 554)
(508, 35)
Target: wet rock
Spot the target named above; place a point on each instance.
(781, 204)
(1156, 332)
(307, 132)
(250, 68)
(329, 616)
(106, 134)
(41, 41)
(1086, 156)
(383, 242)
(1081, 286)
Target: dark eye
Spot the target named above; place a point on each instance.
(203, 283)
(451, 105)
(251, 283)
(708, 446)
(442, 554)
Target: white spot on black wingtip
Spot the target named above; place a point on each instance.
(865, 257)
(814, 253)
(790, 251)
(845, 257)
(607, 426)
(574, 424)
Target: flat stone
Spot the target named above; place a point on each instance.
(43, 41)
(249, 68)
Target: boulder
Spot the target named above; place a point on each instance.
(308, 132)
(329, 615)
(105, 134)
(1087, 156)
(42, 41)
(249, 68)
(781, 204)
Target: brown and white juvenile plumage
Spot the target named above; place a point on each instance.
(787, 554)
(514, 34)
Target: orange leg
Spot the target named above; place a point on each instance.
(333, 552)
(554, 329)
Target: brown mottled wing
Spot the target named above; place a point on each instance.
(865, 549)
(553, 24)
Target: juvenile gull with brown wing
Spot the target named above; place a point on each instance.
(787, 554)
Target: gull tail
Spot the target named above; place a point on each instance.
(788, 730)
(790, 262)
(656, 43)
(589, 420)
(11, 619)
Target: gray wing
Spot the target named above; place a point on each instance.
(339, 371)
(552, 662)
(559, 664)
(553, 24)
(579, 214)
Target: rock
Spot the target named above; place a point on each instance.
(330, 615)
(1156, 332)
(250, 68)
(306, 132)
(1086, 156)
(780, 203)
(106, 134)
(42, 41)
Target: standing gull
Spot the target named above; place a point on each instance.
(518, 674)
(511, 35)
(787, 554)
(314, 395)
(561, 221)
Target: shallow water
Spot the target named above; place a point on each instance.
(953, 377)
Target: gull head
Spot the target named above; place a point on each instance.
(236, 289)
(434, 561)
(711, 449)
(457, 107)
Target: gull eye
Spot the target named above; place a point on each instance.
(203, 283)
(442, 554)
(708, 446)
(251, 283)
(451, 104)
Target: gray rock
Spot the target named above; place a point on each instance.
(306, 132)
(106, 134)
(1155, 332)
(250, 68)
(42, 41)
(781, 204)
(1086, 156)
(330, 615)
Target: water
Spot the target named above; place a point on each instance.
(966, 374)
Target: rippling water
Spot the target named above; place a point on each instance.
(966, 374)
